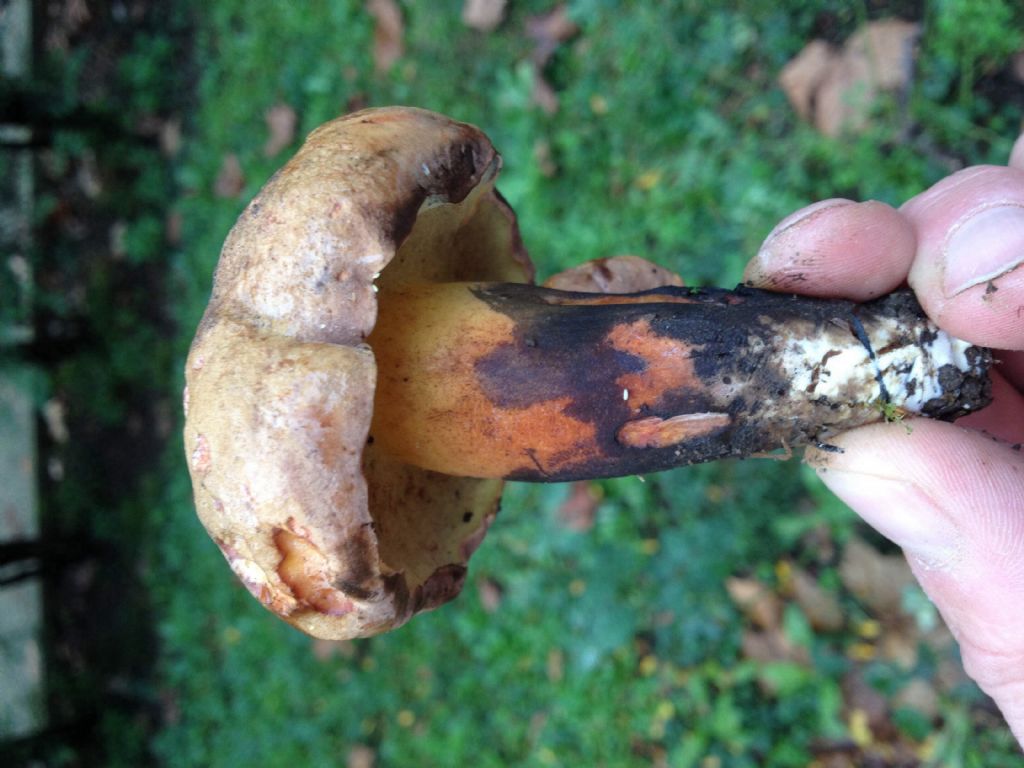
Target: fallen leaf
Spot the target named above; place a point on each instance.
(762, 647)
(548, 31)
(921, 695)
(758, 603)
(55, 415)
(543, 157)
(818, 543)
(174, 225)
(491, 593)
(887, 45)
(361, 756)
(617, 274)
(950, 673)
(876, 580)
(879, 582)
(281, 121)
(64, 21)
(900, 643)
(1017, 66)
(170, 136)
(543, 95)
(838, 89)
(230, 178)
(804, 74)
(483, 15)
(578, 511)
(388, 34)
(861, 696)
(820, 606)
(89, 177)
(776, 647)
(116, 237)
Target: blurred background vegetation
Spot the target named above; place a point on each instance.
(722, 615)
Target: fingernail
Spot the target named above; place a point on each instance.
(902, 513)
(983, 245)
(798, 217)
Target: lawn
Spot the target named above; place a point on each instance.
(601, 622)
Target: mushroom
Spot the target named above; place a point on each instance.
(374, 362)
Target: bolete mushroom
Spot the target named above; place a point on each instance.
(374, 362)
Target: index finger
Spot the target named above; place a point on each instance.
(836, 249)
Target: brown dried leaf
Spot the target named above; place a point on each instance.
(116, 237)
(838, 90)
(490, 593)
(758, 603)
(361, 756)
(543, 158)
(174, 226)
(1017, 66)
(921, 695)
(578, 511)
(550, 30)
(820, 606)
(543, 94)
(281, 121)
(618, 274)
(763, 647)
(899, 643)
(64, 21)
(483, 15)
(844, 100)
(230, 178)
(170, 136)
(876, 580)
(768, 647)
(55, 415)
(858, 694)
(888, 46)
(89, 177)
(388, 34)
(950, 674)
(803, 75)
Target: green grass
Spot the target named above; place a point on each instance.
(618, 646)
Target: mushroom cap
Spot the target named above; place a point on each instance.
(332, 535)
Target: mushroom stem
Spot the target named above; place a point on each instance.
(527, 383)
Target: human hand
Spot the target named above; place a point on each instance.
(951, 495)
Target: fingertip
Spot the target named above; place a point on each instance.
(970, 247)
(836, 249)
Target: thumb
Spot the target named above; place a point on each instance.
(953, 499)
(970, 248)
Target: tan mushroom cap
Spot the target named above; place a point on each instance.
(333, 536)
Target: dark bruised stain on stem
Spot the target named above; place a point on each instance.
(708, 368)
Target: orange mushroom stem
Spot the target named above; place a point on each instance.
(527, 383)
